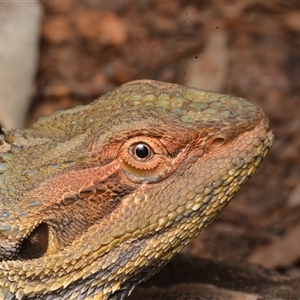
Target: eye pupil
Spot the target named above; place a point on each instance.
(142, 151)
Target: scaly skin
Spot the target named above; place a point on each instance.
(96, 199)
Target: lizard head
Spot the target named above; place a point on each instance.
(97, 198)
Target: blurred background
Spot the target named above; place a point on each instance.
(79, 50)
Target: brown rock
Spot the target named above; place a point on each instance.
(57, 30)
(191, 278)
(105, 28)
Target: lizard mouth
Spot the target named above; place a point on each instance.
(36, 244)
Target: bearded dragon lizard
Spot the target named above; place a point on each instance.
(95, 199)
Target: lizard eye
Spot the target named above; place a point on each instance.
(141, 151)
(144, 159)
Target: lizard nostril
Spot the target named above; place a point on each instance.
(36, 244)
(218, 141)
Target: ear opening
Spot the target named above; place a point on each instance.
(36, 244)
